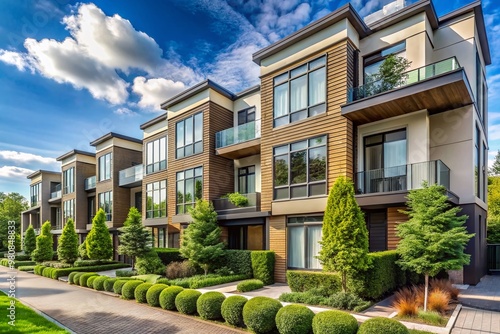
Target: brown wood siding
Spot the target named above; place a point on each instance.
(277, 243)
(394, 217)
(82, 171)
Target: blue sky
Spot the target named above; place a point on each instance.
(71, 72)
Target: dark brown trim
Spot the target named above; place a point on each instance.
(74, 152)
(389, 199)
(247, 91)
(154, 121)
(406, 13)
(42, 171)
(114, 135)
(244, 215)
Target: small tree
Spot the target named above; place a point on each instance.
(392, 72)
(135, 239)
(345, 237)
(82, 250)
(99, 244)
(434, 237)
(44, 244)
(201, 242)
(29, 241)
(67, 249)
(495, 168)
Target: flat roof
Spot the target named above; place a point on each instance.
(114, 135)
(42, 171)
(73, 152)
(155, 120)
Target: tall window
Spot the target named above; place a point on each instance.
(69, 180)
(105, 167)
(477, 161)
(300, 93)
(479, 76)
(372, 63)
(35, 194)
(90, 209)
(189, 188)
(246, 115)
(106, 203)
(189, 136)
(69, 209)
(304, 235)
(156, 200)
(246, 180)
(300, 169)
(156, 155)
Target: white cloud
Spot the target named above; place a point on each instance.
(153, 92)
(23, 157)
(13, 172)
(124, 112)
(19, 60)
(494, 132)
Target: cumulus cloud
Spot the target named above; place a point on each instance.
(23, 157)
(153, 92)
(124, 112)
(19, 60)
(13, 172)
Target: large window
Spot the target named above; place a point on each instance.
(156, 155)
(246, 116)
(300, 169)
(246, 180)
(35, 194)
(106, 203)
(477, 162)
(189, 188)
(189, 136)
(300, 93)
(69, 209)
(69, 180)
(304, 235)
(372, 62)
(485, 171)
(105, 167)
(156, 200)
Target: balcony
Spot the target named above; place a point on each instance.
(90, 183)
(399, 180)
(55, 193)
(223, 206)
(131, 177)
(239, 142)
(437, 87)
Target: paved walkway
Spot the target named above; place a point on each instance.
(485, 295)
(87, 311)
(474, 321)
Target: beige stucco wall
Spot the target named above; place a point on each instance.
(245, 102)
(120, 143)
(248, 161)
(155, 128)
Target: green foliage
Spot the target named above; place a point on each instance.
(29, 242)
(87, 263)
(125, 273)
(201, 281)
(238, 261)
(135, 239)
(141, 291)
(108, 283)
(44, 244)
(67, 248)
(153, 294)
(185, 302)
(71, 277)
(99, 244)
(201, 240)
(340, 300)
(432, 318)
(232, 310)
(25, 268)
(98, 283)
(150, 263)
(259, 314)
(263, 266)
(382, 325)
(128, 289)
(82, 251)
(150, 278)
(168, 255)
(294, 319)
(334, 322)
(11, 206)
(90, 281)
(16, 264)
(180, 269)
(66, 271)
(250, 285)
(167, 297)
(392, 72)
(493, 232)
(495, 168)
(301, 281)
(118, 285)
(237, 199)
(345, 237)
(209, 305)
(84, 277)
(76, 278)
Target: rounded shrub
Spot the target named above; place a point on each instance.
(232, 310)
(294, 319)
(119, 283)
(141, 291)
(250, 285)
(90, 281)
(47, 272)
(185, 302)
(99, 282)
(153, 294)
(108, 283)
(128, 290)
(76, 278)
(209, 305)
(259, 314)
(167, 297)
(71, 277)
(382, 325)
(334, 322)
(85, 277)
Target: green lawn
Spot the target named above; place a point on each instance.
(414, 331)
(27, 321)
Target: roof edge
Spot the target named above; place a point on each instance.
(42, 171)
(153, 121)
(114, 135)
(73, 152)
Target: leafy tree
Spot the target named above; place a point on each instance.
(434, 237)
(392, 71)
(44, 244)
(493, 231)
(29, 242)
(67, 249)
(150, 263)
(494, 198)
(201, 240)
(135, 239)
(345, 237)
(495, 169)
(99, 244)
(11, 207)
(82, 250)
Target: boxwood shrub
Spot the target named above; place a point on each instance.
(294, 319)
(129, 287)
(76, 278)
(153, 294)
(85, 277)
(209, 305)
(334, 321)
(382, 325)
(263, 266)
(168, 255)
(108, 283)
(66, 271)
(17, 262)
(119, 283)
(259, 314)
(71, 277)
(167, 297)
(238, 261)
(26, 268)
(302, 281)
(250, 285)
(141, 291)
(185, 302)
(38, 269)
(232, 310)
(98, 283)
(90, 281)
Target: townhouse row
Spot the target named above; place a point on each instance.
(318, 113)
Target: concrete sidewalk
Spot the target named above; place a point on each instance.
(485, 295)
(477, 321)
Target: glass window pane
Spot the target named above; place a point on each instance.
(188, 150)
(317, 63)
(298, 71)
(251, 183)
(317, 86)
(317, 163)
(198, 188)
(189, 191)
(281, 193)
(189, 131)
(313, 246)
(297, 116)
(163, 149)
(299, 145)
(198, 127)
(296, 249)
(179, 134)
(394, 49)
(198, 147)
(373, 139)
(296, 192)
(180, 153)
(242, 185)
(281, 78)
(198, 171)
(393, 136)
(298, 93)
(317, 189)
(317, 141)
(281, 100)
(242, 117)
(281, 170)
(373, 157)
(188, 173)
(281, 150)
(298, 167)
(316, 110)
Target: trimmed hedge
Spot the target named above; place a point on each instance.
(259, 314)
(98, 283)
(185, 302)
(141, 291)
(250, 285)
(163, 281)
(238, 261)
(47, 272)
(38, 269)
(85, 277)
(167, 297)
(66, 271)
(153, 294)
(201, 281)
(302, 281)
(76, 278)
(232, 310)
(71, 277)
(128, 289)
(382, 325)
(168, 255)
(88, 263)
(16, 263)
(263, 266)
(209, 305)
(119, 283)
(26, 268)
(90, 281)
(333, 321)
(294, 319)
(108, 283)
(148, 278)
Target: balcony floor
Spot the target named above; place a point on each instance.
(240, 150)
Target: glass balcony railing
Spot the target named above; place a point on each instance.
(223, 204)
(238, 134)
(90, 183)
(411, 77)
(402, 178)
(56, 192)
(131, 175)
(34, 201)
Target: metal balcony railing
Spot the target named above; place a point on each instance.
(223, 204)
(238, 134)
(90, 183)
(131, 175)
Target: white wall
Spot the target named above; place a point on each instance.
(248, 161)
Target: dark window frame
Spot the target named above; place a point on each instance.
(105, 169)
(185, 205)
(383, 134)
(35, 194)
(68, 210)
(247, 114)
(381, 55)
(305, 224)
(151, 188)
(157, 164)
(245, 175)
(196, 146)
(69, 180)
(105, 202)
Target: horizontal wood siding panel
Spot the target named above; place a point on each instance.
(394, 217)
(277, 243)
